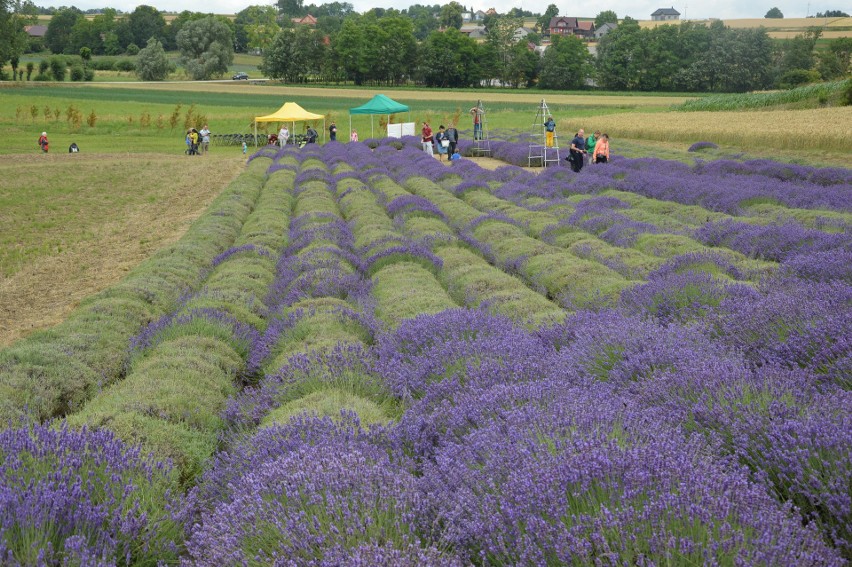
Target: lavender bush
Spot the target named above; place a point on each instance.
(82, 498)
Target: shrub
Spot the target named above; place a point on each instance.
(43, 65)
(698, 146)
(78, 73)
(57, 68)
(89, 74)
(132, 49)
(125, 64)
(798, 77)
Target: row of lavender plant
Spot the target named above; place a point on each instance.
(54, 372)
(588, 441)
(660, 448)
(87, 495)
(321, 316)
(591, 441)
(326, 257)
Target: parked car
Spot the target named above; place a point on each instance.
(240, 77)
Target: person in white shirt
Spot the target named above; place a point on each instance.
(283, 136)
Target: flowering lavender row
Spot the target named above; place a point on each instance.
(415, 217)
(82, 498)
(573, 445)
(704, 419)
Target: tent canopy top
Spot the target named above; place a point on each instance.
(379, 104)
(290, 112)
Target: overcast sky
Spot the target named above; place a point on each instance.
(640, 10)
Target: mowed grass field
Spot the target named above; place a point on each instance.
(71, 225)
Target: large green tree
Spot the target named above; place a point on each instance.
(451, 15)
(606, 17)
(501, 42)
(152, 63)
(774, 13)
(60, 28)
(294, 55)
(348, 48)
(13, 38)
(206, 47)
(836, 61)
(544, 21)
(450, 59)
(619, 57)
(524, 65)
(565, 64)
(255, 21)
(390, 49)
(146, 22)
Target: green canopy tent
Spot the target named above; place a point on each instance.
(379, 104)
(290, 112)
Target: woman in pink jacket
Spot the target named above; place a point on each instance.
(601, 150)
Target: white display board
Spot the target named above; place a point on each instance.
(400, 130)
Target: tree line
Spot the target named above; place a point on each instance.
(422, 45)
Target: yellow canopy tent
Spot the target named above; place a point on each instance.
(290, 112)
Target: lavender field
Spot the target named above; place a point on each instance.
(362, 356)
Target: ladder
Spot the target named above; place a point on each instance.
(481, 141)
(541, 152)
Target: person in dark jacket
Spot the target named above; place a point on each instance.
(453, 137)
(578, 150)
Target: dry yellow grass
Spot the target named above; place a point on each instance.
(826, 129)
(782, 28)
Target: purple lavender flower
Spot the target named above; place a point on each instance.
(82, 497)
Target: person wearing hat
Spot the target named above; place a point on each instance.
(42, 142)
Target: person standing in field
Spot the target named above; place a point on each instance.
(453, 138)
(332, 132)
(441, 142)
(426, 138)
(590, 145)
(353, 137)
(601, 152)
(578, 150)
(477, 112)
(549, 129)
(205, 139)
(283, 136)
(43, 143)
(193, 142)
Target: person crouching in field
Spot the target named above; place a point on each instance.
(601, 154)
(43, 143)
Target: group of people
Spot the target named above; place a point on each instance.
(198, 142)
(444, 140)
(595, 147)
(283, 137)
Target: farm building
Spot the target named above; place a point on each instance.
(564, 25)
(663, 14)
